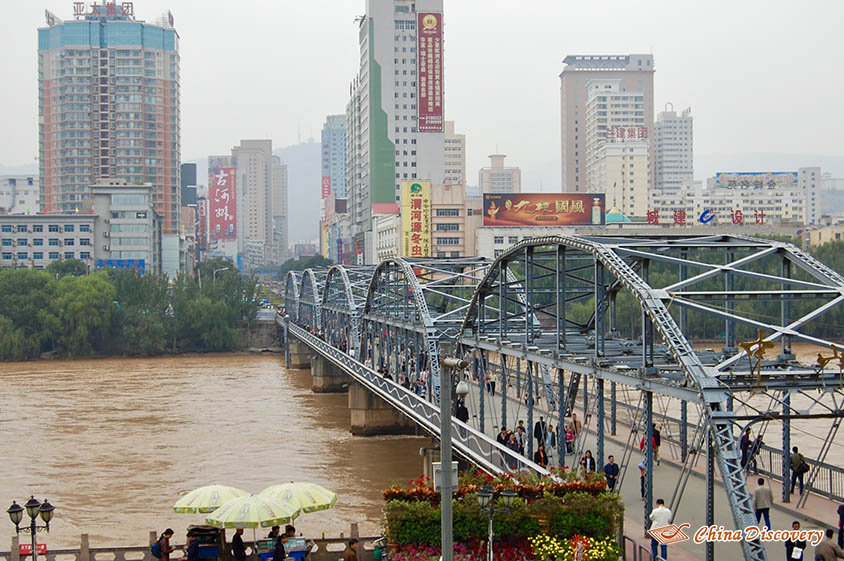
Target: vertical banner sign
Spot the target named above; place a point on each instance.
(202, 224)
(416, 219)
(429, 36)
(326, 187)
(222, 190)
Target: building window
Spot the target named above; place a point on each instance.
(7, 242)
(455, 254)
(38, 228)
(84, 227)
(68, 228)
(69, 241)
(85, 241)
(38, 255)
(68, 255)
(23, 255)
(498, 239)
(84, 255)
(54, 241)
(54, 255)
(498, 253)
(448, 227)
(448, 241)
(53, 228)
(513, 239)
(448, 212)
(23, 242)
(7, 256)
(7, 228)
(22, 228)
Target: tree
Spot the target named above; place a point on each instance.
(73, 267)
(302, 264)
(24, 293)
(81, 311)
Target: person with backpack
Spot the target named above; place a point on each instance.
(162, 549)
(799, 467)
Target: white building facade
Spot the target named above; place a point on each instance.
(19, 194)
(673, 137)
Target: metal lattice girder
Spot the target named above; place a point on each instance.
(291, 294)
(343, 297)
(310, 296)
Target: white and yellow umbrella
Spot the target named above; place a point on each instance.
(207, 499)
(253, 511)
(308, 497)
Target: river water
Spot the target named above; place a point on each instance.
(113, 443)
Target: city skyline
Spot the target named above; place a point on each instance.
(717, 67)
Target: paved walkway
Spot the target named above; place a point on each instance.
(819, 512)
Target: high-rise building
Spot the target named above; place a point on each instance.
(499, 179)
(617, 148)
(188, 182)
(280, 221)
(19, 194)
(108, 104)
(673, 150)
(634, 72)
(394, 118)
(254, 162)
(454, 157)
(334, 156)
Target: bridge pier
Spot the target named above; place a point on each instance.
(300, 354)
(327, 377)
(371, 415)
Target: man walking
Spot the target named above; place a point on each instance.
(351, 553)
(794, 549)
(763, 500)
(799, 467)
(660, 517)
(828, 550)
(540, 431)
(238, 549)
(611, 473)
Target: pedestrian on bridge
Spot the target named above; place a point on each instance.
(841, 526)
(744, 445)
(799, 467)
(492, 379)
(569, 439)
(588, 463)
(828, 550)
(643, 467)
(551, 443)
(503, 436)
(763, 500)
(462, 413)
(660, 517)
(611, 473)
(794, 549)
(521, 438)
(540, 431)
(540, 457)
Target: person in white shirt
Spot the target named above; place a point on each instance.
(660, 516)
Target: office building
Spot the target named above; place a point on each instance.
(454, 158)
(254, 164)
(499, 179)
(673, 148)
(334, 156)
(19, 194)
(621, 171)
(634, 73)
(109, 106)
(279, 213)
(454, 218)
(394, 117)
(189, 184)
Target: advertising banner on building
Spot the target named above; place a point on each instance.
(326, 186)
(129, 264)
(756, 180)
(429, 39)
(222, 191)
(415, 219)
(202, 223)
(544, 209)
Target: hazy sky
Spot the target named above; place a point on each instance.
(759, 76)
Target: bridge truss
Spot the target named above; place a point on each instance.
(560, 313)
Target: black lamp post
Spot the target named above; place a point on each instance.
(485, 499)
(33, 509)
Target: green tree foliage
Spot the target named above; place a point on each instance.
(81, 310)
(302, 264)
(73, 267)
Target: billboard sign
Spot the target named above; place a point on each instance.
(430, 71)
(129, 264)
(222, 187)
(415, 219)
(756, 180)
(544, 209)
(202, 223)
(326, 186)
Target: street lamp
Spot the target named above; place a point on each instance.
(214, 275)
(446, 484)
(485, 499)
(34, 508)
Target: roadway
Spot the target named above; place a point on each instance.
(665, 480)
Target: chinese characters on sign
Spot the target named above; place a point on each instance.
(708, 216)
(543, 209)
(222, 191)
(107, 9)
(755, 180)
(416, 219)
(631, 133)
(202, 224)
(326, 186)
(430, 72)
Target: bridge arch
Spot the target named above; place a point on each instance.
(339, 310)
(309, 300)
(291, 294)
(397, 331)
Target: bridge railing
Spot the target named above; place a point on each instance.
(488, 454)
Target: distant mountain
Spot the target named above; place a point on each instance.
(23, 169)
(304, 178)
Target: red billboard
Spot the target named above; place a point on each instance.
(544, 209)
(222, 189)
(326, 186)
(429, 39)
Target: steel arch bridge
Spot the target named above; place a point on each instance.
(610, 310)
